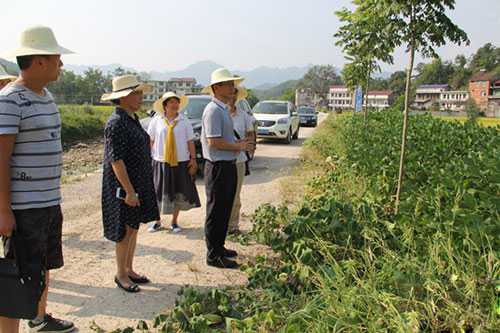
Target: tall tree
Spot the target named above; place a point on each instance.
(319, 79)
(487, 58)
(397, 83)
(66, 88)
(437, 72)
(94, 84)
(461, 73)
(421, 26)
(363, 38)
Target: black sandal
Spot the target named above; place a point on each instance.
(131, 289)
(140, 280)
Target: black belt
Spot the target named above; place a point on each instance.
(222, 162)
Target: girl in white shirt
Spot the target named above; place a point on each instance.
(174, 159)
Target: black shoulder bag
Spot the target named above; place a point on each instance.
(247, 166)
(21, 287)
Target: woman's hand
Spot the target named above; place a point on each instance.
(132, 199)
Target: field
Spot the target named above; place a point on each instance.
(346, 262)
(84, 122)
(488, 122)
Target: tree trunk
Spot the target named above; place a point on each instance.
(405, 127)
(367, 90)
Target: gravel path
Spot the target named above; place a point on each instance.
(83, 291)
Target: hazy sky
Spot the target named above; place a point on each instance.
(239, 34)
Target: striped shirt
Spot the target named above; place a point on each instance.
(36, 161)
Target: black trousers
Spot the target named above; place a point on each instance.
(220, 187)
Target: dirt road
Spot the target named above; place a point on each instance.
(83, 291)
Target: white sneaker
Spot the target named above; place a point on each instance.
(175, 228)
(154, 227)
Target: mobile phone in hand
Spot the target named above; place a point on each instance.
(120, 193)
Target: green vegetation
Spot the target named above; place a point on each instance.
(366, 42)
(83, 122)
(72, 88)
(456, 73)
(319, 79)
(346, 262)
(472, 110)
(488, 122)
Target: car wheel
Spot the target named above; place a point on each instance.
(296, 135)
(288, 139)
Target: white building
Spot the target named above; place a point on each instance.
(453, 100)
(340, 98)
(429, 94)
(181, 86)
(159, 88)
(379, 99)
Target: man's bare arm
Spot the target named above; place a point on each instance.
(7, 221)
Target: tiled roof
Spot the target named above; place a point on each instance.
(433, 86)
(183, 79)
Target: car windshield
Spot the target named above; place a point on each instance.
(306, 111)
(271, 108)
(195, 107)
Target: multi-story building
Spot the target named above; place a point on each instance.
(340, 98)
(159, 88)
(181, 86)
(453, 100)
(428, 95)
(379, 99)
(484, 89)
(480, 88)
(494, 100)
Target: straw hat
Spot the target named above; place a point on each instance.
(6, 76)
(241, 94)
(38, 40)
(221, 75)
(158, 104)
(124, 85)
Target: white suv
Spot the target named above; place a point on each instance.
(277, 120)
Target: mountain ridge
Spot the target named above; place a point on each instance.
(262, 77)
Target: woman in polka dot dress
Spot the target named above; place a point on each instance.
(128, 196)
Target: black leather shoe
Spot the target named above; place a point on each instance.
(230, 253)
(221, 262)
